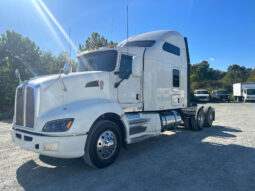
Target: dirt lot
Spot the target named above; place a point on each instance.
(217, 158)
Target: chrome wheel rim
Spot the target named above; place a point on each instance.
(106, 145)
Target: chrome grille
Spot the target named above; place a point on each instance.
(25, 106)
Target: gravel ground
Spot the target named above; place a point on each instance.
(217, 158)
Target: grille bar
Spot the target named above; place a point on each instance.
(20, 106)
(30, 107)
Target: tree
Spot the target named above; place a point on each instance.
(20, 52)
(252, 76)
(16, 52)
(236, 74)
(96, 41)
(59, 61)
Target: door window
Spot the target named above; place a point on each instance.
(125, 66)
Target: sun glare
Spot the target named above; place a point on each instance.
(49, 18)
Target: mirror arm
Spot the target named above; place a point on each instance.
(118, 83)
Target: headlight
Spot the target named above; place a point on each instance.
(60, 125)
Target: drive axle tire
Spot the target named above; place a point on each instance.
(209, 116)
(197, 122)
(103, 144)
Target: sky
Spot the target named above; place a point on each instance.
(220, 31)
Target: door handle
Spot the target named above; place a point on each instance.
(137, 96)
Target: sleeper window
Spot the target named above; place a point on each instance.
(176, 78)
(171, 49)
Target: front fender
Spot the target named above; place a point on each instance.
(84, 113)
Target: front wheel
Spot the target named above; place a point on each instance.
(103, 144)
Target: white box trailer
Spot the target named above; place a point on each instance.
(118, 95)
(244, 91)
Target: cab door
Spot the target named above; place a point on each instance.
(129, 90)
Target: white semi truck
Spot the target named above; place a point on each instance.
(244, 91)
(118, 96)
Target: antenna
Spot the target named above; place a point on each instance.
(70, 56)
(127, 28)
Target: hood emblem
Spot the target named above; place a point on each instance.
(101, 84)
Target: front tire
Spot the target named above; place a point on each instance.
(103, 144)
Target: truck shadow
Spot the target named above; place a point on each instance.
(183, 160)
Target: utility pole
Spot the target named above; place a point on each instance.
(127, 28)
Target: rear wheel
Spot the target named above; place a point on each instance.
(103, 144)
(197, 122)
(209, 116)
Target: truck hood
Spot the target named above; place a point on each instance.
(80, 86)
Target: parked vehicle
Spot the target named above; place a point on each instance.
(202, 95)
(118, 96)
(220, 95)
(244, 91)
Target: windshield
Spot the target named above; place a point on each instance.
(250, 91)
(222, 92)
(97, 61)
(202, 92)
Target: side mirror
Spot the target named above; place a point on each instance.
(17, 74)
(137, 66)
(67, 69)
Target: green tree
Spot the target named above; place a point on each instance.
(20, 52)
(59, 61)
(15, 52)
(96, 41)
(252, 76)
(236, 74)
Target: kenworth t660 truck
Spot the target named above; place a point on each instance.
(117, 96)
